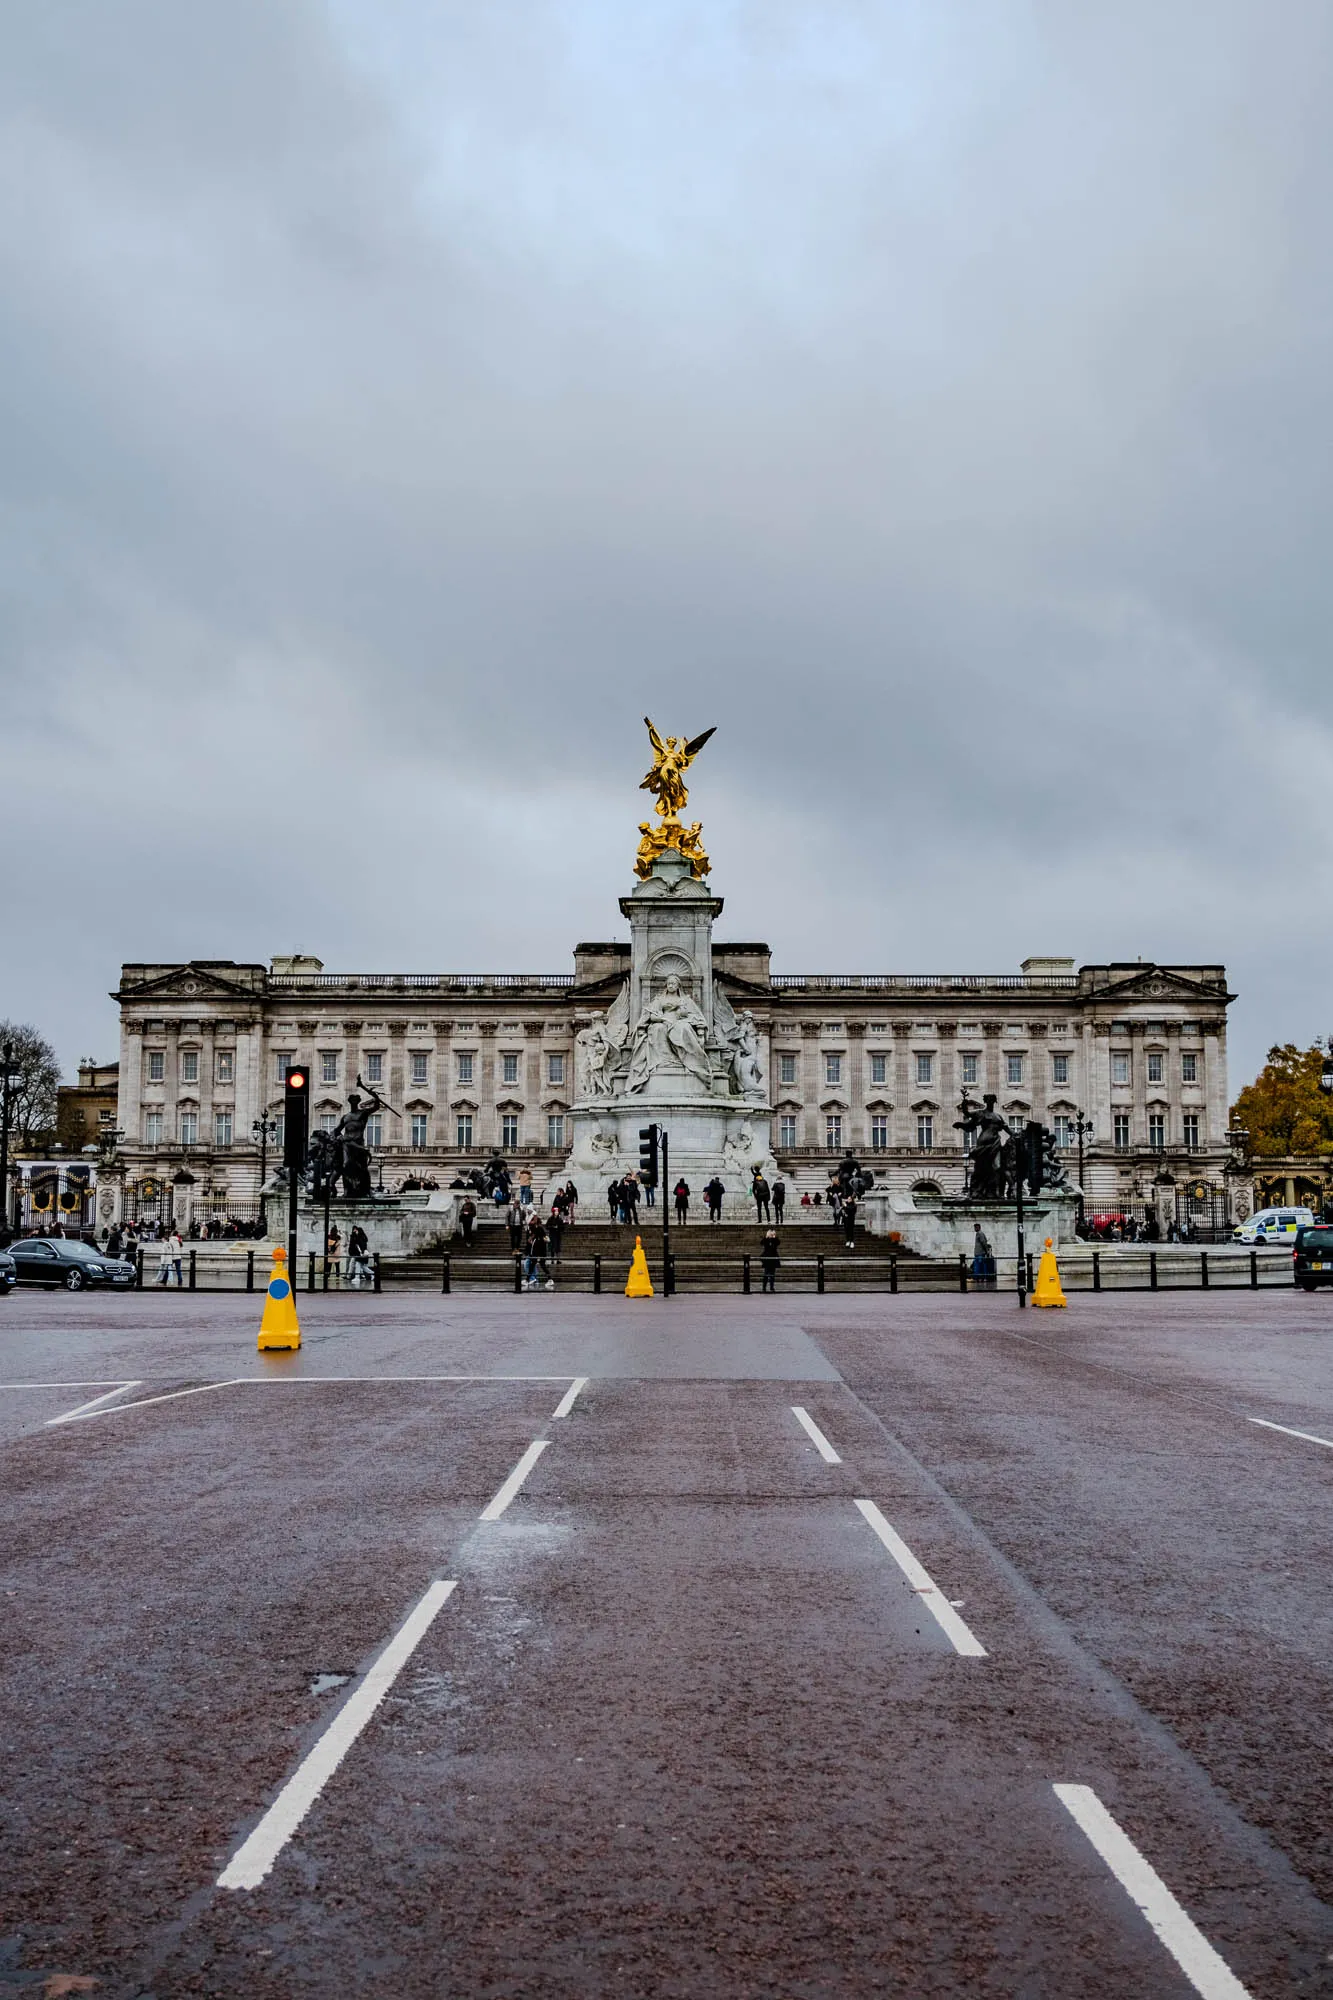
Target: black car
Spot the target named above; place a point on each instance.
(64, 1260)
(9, 1276)
(1312, 1260)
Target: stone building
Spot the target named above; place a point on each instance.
(476, 1063)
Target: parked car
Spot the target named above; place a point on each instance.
(9, 1276)
(1273, 1225)
(1312, 1261)
(64, 1260)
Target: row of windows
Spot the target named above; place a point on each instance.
(970, 1067)
(187, 1130)
(372, 1066)
(925, 1132)
(1189, 1131)
(224, 1065)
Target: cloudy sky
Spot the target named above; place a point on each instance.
(402, 396)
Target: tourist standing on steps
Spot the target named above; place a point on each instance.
(682, 1195)
(769, 1258)
(359, 1271)
(631, 1193)
(649, 1192)
(514, 1217)
(849, 1221)
(467, 1216)
(760, 1191)
(779, 1200)
(613, 1201)
(713, 1194)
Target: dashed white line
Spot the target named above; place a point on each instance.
(1287, 1431)
(173, 1395)
(570, 1397)
(1208, 1974)
(514, 1481)
(85, 1409)
(256, 1855)
(821, 1443)
(960, 1636)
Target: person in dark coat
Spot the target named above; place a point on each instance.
(682, 1195)
(849, 1221)
(467, 1216)
(769, 1258)
(713, 1194)
(779, 1201)
(759, 1189)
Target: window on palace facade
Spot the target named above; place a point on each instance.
(879, 1133)
(555, 1128)
(375, 1131)
(464, 1129)
(509, 1131)
(925, 1068)
(787, 1131)
(420, 1123)
(1156, 1131)
(224, 1066)
(420, 1067)
(464, 1072)
(555, 1073)
(1064, 1131)
(327, 1120)
(279, 1129)
(1121, 1131)
(509, 1068)
(1189, 1067)
(157, 1065)
(282, 1062)
(970, 1064)
(1156, 1066)
(833, 1131)
(222, 1128)
(152, 1128)
(786, 1069)
(832, 1069)
(374, 1065)
(1013, 1068)
(328, 1065)
(189, 1128)
(1059, 1069)
(189, 1065)
(925, 1133)
(879, 1069)
(1190, 1124)
(1119, 1068)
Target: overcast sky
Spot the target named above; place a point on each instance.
(401, 396)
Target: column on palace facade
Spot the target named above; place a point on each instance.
(947, 1059)
(993, 1067)
(488, 1131)
(812, 1083)
(1039, 1071)
(129, 1087)
(858, 1128)
(534, 1118)
(903, 1089)
(1213, 1049)
(397, 1072)
(1138, 1079)
(207, 1049)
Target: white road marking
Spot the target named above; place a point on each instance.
(256, 1855)
(144, 1401)
(55, 1385)
(960, 1637)
(570, 1397)
(1287, 1431)
(96, 1403)
(1208, 1974)
(514, 1481)
(821, 1443)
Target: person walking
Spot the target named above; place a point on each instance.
(849, 1221)
(779, 1200)
(467, 1217)
(681, 1191)
(514, 1217)
(358, 1257)
(760, 1190)
(770, 1257)
(535, 1267)
(113, 1241)
(983, 1259)
(164, 1264)
(177, 1249)
(631, 1185)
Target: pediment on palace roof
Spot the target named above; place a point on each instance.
(509, 1104)
(328, 1104)
(788, 1104)
(464, 1104)
(924, 1104)
(878, 1104)
(1062, 1104)
(187, 982)
(1155, 982)
(555, 1104)
(418, 1104)
(834, 1104)
(1016, 1104)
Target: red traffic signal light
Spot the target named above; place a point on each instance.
(296, 1117)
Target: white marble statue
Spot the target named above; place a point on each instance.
(670, 1033)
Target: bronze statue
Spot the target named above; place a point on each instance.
(349, 1135)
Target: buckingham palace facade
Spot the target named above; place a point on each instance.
(475, 1064)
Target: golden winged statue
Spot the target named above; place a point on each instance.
(666, 781)
(671, 760)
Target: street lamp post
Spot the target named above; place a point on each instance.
(8, 1068)
(261, 1132)
(1082, 1130)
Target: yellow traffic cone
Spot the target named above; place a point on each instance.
(279, 1327)
(1047, 1291)
(638, 1285)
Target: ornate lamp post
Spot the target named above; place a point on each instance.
(8, 1069)
(262, 1130)
(1082, 1129)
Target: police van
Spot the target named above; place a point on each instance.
(1274, 1225)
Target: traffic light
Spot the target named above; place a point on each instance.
(648, 1155)
(296, 1117)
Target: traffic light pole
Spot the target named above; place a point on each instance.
(1022, 1247)
(665, 1184)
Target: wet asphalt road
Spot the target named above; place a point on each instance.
(684, 1727)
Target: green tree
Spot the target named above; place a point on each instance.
(32, 1087)
(1284, 1109)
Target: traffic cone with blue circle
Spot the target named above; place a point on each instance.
(279, 1327)
(1048, 1290)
